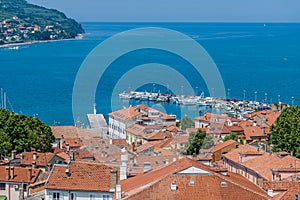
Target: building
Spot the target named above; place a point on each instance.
(262, 168)
(223, 148)
(188, 179)
(120, 120)
(38, 160)
(81, 181)
(14, 181)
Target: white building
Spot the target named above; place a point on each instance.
(81, 181)
(120, 120)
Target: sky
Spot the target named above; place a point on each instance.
(177, 10)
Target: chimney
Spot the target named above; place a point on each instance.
(12, 172)
(13, 154)
(118, 192)
(72, 156)
(263, 130)
(29, 174)
(147, 166)
(123, 167)
(21, 156)
(7, 173)
(33, 164)
(68, 173)
(49, 167)
(67, 147)
(110, 141)
(113, 179)
(34, 155)
(62, 141)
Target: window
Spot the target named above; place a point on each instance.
(55, 195)
(2, 186)
(92, 197)
(106, 197)
(73, 196)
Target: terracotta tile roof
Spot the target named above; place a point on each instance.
(137, 130)
(83, 177)
(161, 135)
(223, 145)
(73, 142)
(121, 143)
(180, 139)
(156, 184)
(144, 147)
(139, 110)
(42, 159)
(253, 131)
(156, 162)
(290, 194)
(173, 129)
(66, 131)
(127, 113)
(20, 174)
(271, 115)
(263, 162)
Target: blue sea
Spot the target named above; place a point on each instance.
(38, 78)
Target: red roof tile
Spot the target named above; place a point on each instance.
(83, 177)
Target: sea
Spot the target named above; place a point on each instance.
(38, 79)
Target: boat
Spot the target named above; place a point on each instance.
(189, 101)
(152, 97)
(144, 97)
(202, 103)
(125, 96)
(13, 48)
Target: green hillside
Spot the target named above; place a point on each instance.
(21, 21)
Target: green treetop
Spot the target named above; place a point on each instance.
(286, 131)
(20, 132)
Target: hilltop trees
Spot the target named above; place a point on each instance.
(286, 131)
(20, 132)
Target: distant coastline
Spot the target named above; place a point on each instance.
(80, 37)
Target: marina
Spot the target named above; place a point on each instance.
(231, 106)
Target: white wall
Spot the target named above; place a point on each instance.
(80, 195)
(11, 191)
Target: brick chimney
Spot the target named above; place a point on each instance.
(29, 174)
(7, 173)
(13, 154)
(113, 179)
(12, 172)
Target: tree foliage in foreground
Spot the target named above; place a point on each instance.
(286, 131)
(19, 132)
(197, 141)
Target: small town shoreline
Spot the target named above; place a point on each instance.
(38, 41)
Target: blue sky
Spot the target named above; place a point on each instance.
(178, 10)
